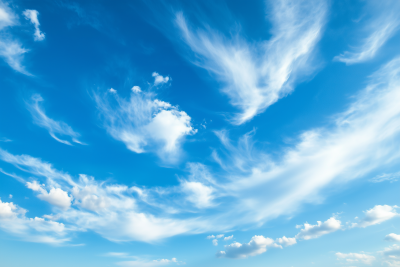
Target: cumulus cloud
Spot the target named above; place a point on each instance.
(32, 15)
(145, 123)
(356, 257)
(39, 230)
(256, 75)
(159, 79)
(393, 237)
(286, 241)
(377, 215)
(378, 30)
(53, 127)
(391, 255)
(197, 193)
(210, 236)
(391, 177)
(321, 228)
(257, 245)
(136, 89)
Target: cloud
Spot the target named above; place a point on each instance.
(39, 230)
(136, 89)
(228, 238)
(145, 263)
(356, 257)
(52, 126)
(210, 237)
(392, 177)
(215, 242)
(258, 74)
(377, 215)
(145, 123)
(11, 50)
(321, 228)
(257, 245)
(286, 241)
(159, 79)
(32, 15)
(380, 28)
(391, 255)
(198, 194)
(392, 237)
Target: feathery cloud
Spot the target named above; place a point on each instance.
(356, 257)
(384, 24)
(53, 127)
(258, 75)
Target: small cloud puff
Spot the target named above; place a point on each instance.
(228, 238)
(392, 237)
(356, 257)
(321, 228)
(136, 89)
(286, 241)
(112, 90)
(159, 79)
(377, 215)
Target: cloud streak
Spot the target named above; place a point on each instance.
(384, 23)
(32, 16)
(258, 75)
(53, 127)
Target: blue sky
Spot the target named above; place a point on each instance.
(199, 133)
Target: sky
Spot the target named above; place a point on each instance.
(200, 133)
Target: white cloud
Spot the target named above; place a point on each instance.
(286, 241)
(321, 228)
(377, 215)
(112, 90)
(39, 230)
(145, 123)
(256, 75)
(136, 89)
(393, 237)
(257, 245)
(220, 236)
(392, 177)
(228, 237)
(391, 255)
(52, 126)
(380, 29)
(356, 257)
(56, 196)
(10, 196)
(159, 79)
(210, 237)
(32, 15)
(146, 263)
(215, 242)
(11, 50)
(198, 194)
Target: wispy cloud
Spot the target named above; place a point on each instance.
(54, 127)
(384, 23)
(355, 257)
(256, 75)
(11, 50)
(32, 15)
(391, 177)
(145, 123)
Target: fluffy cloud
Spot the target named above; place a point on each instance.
(286, 241)
(391, 255)
(215, 242)
(40, 230)
(321, 228)
(32, 15)
(145, 123)
(228, 238)
(158, 80)
(356, 257)
(383, 25)
(198, 194)
(393, 237)
(56, 196)
(377, 215)
(257, 245)
(53, 127)
(257, 75)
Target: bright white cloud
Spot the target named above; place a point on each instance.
(391, 177)
(377, 215)
(145, 123)
(136, 89)
(393, 237)
(256, 75)
(7, 17)
(380, 29)
(40, 230)
(198, 194)
(112, 90)
(391, 255)
(158, 80)
(32, 15)
(321, 228)
(210, 236)
(286, 241)
(53, 127)
(356, 257)
(257, 245)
